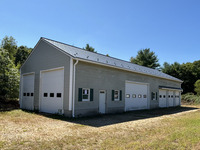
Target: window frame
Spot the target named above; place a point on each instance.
(88, 99)
(117, 99)
(153, 96)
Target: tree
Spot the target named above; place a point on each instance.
(172, 69)
(10, 44)
(89, 48)
(187, 72)
(21, 55)
(197, 87)
(147, 58)
(9, 77)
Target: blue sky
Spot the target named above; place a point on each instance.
(170, 28)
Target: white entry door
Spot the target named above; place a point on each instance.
(162, 98)
(136, 96)
(102, 101)
(177, 98)
(52, 86)
(27, 91)
(171, 98)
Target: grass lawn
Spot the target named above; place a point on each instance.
(150, 129)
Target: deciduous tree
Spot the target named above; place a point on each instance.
(10, 44)
(21, 55)
(9, 77)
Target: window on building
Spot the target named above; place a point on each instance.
(145, 96)
(24, 94)
(28, 94)
(45, 95)
(51, 94)
(58, 94)
(164, 96)
(31, 94)
(85, 94)
(160, 96)
(154, 96)
(134, 96)
(116, 95)
(139, 95)
(127, 95)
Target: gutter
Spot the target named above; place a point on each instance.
(73, 91)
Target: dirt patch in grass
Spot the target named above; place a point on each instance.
(27, 130)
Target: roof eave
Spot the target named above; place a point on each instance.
(98, 63)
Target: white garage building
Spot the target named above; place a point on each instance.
(62, 79)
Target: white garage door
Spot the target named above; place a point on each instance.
(177, 98)
(27, 91)
(136, 96)
(171, 98)
(162, 98)
(52, 85)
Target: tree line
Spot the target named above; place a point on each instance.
(13, 56)
(11, 59)
(189, 72)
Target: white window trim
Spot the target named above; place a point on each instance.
(86, 100)
(154, 99)
(117, 99)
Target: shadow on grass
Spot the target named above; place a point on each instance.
(8, 105)
(110, 119)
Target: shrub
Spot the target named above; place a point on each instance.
(191, 98)
(197, 87)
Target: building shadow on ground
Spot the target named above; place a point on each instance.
(110, 119)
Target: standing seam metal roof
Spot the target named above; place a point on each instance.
(106, 60)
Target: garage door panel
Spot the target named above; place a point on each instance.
(28, 91)
(177, 98)
(162, 98)
(52, 84)
(171, 98)
(138, 96)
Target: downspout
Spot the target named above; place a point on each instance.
(74, 76)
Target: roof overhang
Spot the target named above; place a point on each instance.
(108, 65)
(98, 63)
(170, 88)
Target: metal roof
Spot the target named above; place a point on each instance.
(82, 54)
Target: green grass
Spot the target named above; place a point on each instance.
(25, 130)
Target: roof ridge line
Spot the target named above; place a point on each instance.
(99, 54)
(144, 67)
